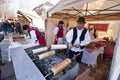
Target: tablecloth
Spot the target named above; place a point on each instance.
(90, 57)
(17, 44)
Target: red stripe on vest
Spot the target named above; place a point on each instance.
(60, 32)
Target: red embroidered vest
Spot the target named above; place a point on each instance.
(60, 32)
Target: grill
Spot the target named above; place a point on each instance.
(56, 66)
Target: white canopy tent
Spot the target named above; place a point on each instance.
(66, 4)
(34, 19)
(94, 11)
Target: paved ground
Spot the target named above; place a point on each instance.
(7, 72)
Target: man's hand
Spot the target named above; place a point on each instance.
(77, 45)
(70, 45)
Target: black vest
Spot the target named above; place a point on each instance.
(81, 37)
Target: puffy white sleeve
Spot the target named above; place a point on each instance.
(69, 36)
(56, 30)
(33, 35)
(86, 40)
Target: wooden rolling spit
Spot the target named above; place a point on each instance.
(51, 47)
(39, 50)
(61, 46)
(59, 67)
(45, 55)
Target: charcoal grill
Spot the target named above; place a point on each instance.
(46, 64)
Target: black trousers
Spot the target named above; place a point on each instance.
(78, 55)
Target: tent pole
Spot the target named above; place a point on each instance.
(86, 9)
(78, 11)
(115, 66)
(106, 8)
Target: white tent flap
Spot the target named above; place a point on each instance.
(35, 19)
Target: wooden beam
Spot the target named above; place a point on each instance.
(110, 16)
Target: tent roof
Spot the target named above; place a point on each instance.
(47, 3)
(90, 9)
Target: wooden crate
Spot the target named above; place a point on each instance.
(20, 39)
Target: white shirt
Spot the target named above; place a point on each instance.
(87, 39)
(33, 35)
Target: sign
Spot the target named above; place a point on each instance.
(98, 26)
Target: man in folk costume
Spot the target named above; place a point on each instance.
(59, 33)
(35, 34)
(77, 39)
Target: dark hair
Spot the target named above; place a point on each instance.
(60, 22)
(25, 27)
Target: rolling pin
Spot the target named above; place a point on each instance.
(59, 67)
(39, 50)
(60, 46)
(46, 54)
